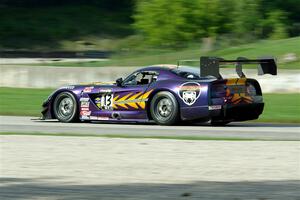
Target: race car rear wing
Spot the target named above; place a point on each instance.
(210, 66)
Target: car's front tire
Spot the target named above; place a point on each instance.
(164, 108)
(65, 107)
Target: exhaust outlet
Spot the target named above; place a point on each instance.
(116, 115)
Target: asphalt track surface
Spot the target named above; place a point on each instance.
(263, 131)
(69, 168)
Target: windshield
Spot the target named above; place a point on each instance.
(187, 72)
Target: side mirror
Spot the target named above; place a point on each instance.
(119, 82)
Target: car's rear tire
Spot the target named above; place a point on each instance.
(65, 107)
(164, 108)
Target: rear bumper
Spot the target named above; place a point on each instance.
(240, 112)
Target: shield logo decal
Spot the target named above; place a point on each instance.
(189, 92)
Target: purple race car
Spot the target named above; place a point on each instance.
(166, 95)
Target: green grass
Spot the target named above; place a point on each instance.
(277, 48)
(17, 101)
(140, 137)
(283, 108)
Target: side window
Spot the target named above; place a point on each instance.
(141, 78)
(130, 80)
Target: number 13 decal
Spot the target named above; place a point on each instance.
(105, 101)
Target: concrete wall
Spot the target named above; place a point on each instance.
(53, 77)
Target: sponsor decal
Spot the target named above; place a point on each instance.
(102, 118)
(215, 107)
(85, 112)
(189, 92)
(93, 117)
(85, 117)
(85, 104)
(84, 99)
(88, 89)
(85, 109)
(105, 91)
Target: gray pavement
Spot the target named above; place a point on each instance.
(68, 168)
(263, 131)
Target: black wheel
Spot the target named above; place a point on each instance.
(65, 107)
(164, 108)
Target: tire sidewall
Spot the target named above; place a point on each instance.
(58, 98)
(174, 117)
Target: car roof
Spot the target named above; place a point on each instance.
(162, 67)
(169, 68)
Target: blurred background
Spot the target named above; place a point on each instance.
(50, 43)
(119, 25)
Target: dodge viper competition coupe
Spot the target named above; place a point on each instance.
(166, 95)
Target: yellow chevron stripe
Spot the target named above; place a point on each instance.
(116, 97)
(241, 81)
(134, 97)
(114, 105)
(247, 98)
(247, 101)
(117, 102)
(236, 81)
(123, 98)
(238, 101)
(122, 105)
(231, 81)
(241, 97)
(142, 104)
(138, 96)
(143, 98)
(235, 97)
(134, 105)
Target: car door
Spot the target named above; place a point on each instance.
(129, 99)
